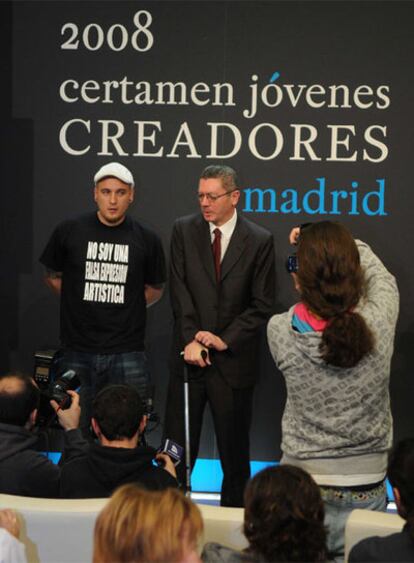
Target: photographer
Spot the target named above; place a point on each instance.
(334, 350)
(117, 458)
(23, 470)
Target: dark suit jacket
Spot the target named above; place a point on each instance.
(236, 309)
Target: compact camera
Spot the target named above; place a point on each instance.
(292, 264)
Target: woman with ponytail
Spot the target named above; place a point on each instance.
(334, 350)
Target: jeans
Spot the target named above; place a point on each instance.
(338, 505)
(98, 370)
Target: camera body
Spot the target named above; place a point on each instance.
(292, 264)
(58, 389)
(52, 387)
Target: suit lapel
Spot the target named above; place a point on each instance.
(237, 246)
(203, 243)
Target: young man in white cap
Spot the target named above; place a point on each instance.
(107, 268)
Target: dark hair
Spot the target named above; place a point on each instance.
(226, 174)
(19, 396)
(118, 409)
(401, 476)
(331, 284)
(284, 516)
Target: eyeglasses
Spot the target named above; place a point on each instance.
(214, 197)
(292, 264)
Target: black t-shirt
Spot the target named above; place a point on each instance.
(104, 273)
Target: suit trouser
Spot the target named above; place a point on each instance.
(231, 410)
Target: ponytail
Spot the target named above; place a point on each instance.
(346, 340)
(332, 283)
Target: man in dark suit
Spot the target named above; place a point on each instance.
(222, 290)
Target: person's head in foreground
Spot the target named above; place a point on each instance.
(19, 400)
(330, 281)
(118, 415)
(138, 526)
(284, 516)
(401, 477)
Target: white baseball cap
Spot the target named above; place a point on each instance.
(115, 170)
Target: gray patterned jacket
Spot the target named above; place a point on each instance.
(336, 414)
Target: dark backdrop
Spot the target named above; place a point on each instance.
(336, 74)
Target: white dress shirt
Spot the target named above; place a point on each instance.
(226, 231)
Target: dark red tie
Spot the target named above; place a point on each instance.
(217, 252)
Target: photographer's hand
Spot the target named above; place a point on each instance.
(294, 236)
(68, 418)
(167, 463)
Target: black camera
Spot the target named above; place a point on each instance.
(58, 389)
(52, 387)
(292, 264)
